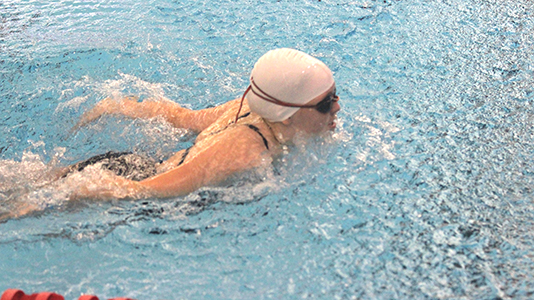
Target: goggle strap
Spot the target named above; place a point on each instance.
(241, 104)
(273, 100)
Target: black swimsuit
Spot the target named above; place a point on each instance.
(137, 167)
(126, 164)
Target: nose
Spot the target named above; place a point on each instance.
(336, 106)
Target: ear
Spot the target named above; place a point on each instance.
(287, 121)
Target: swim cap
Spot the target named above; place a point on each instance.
(288, 75)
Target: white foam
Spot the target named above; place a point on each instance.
(378, 138)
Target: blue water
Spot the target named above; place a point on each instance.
(424, 192)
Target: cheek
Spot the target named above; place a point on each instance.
(312, 121)
(319, 123)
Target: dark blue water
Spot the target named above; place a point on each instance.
(424, 192)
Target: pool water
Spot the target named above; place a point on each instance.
(425, 190)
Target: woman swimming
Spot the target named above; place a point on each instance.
(290, 92)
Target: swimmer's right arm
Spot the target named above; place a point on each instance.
(233, 152)
(173, 113)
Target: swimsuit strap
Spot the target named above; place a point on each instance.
(265, 142)
(259, 132)
(184, 155)
(243, 116)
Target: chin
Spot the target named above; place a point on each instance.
(331, 126)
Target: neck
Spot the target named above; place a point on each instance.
(282, 133)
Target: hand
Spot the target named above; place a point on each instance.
(20, 210)
(104, 107)
(108, 186)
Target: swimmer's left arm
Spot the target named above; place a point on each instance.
(180, 117)
(131, 108)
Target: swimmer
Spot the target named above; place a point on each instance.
(290, 93)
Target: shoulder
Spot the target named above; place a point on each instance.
(225, 120)
(238, 138)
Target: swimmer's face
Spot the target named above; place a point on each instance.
(312, 121)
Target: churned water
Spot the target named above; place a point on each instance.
(424, 192)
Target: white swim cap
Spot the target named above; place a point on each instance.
(290, 76)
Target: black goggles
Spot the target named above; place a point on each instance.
(325, 106)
